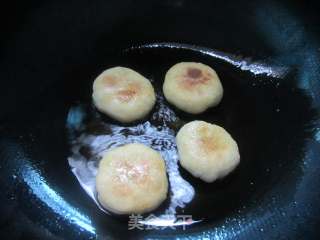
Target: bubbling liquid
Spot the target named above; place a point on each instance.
(91, 137)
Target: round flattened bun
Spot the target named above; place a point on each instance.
(192, 87)
(123, 94)
(131, 179)
(206, 150)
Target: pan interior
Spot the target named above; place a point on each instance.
(261, 109)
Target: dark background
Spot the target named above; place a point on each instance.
(43, 43)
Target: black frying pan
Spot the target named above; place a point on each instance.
(267, 55)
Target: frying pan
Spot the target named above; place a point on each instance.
(267, 56)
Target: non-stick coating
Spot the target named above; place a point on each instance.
(52, 50)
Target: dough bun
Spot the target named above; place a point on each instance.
(123, 94)
(192, 87)
(206, 150)
(131, 179)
